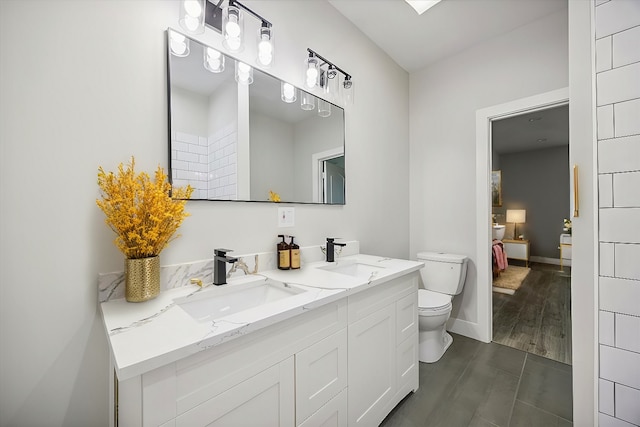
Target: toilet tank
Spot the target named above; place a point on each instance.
(444, 273)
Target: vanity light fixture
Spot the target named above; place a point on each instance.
(178, 44)
(213, 60)
(192, 16)
(307, 101)
(288, 92)
(324, 108)
(196, 14)
(244, 73)
(328, 77)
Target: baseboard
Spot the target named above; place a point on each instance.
(545, 260)
(466, 328)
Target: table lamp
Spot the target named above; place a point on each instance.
(516, 216)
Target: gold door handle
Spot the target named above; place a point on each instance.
(576, 192)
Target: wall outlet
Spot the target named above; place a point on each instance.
(286, 217)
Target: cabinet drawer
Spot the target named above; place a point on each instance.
(321, 373)
(407, 362)
(333, 414)
(518, 250)
(565, 251)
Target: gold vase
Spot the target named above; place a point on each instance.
(142, 278)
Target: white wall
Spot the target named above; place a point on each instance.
(617, 42)
(444, 98)
(272, 157)
(84, 84)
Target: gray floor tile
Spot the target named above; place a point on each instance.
(501, 357)
(528, 416)
(546, 387)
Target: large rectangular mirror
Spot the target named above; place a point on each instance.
(238, 141)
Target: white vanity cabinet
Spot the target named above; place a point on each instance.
(345, 363)
(383, 349)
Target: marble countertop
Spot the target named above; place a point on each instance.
(146, 336)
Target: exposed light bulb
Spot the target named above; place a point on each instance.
(191, 22)
(213, 60)
(244, 73)
(193, 8)
(265, 51)
(179, 44)
(288, 92)
(233, 23)
(232, 28)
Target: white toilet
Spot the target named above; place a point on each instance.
(443, 277)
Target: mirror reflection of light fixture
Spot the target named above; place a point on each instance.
(307, 101)
(213, 60)
(327, 78)
(516, 216)
(192, 16)
(244, 73)
(288, 92)
(324, 108)
(178, 44)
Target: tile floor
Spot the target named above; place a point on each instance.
(477, 384)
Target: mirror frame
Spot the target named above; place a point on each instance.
(231, 59)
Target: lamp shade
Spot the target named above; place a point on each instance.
(516, 215)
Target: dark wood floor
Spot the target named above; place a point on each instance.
(537, 318)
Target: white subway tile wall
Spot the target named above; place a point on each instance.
(208, 164)
(223, 161)
(618, 132)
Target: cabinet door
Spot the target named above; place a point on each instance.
(266, 399)
(407, 316)
(372, 367)
(333, 414)
(407, 359)
(321, 373)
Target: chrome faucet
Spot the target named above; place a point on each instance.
(220, 261)
(331, 248)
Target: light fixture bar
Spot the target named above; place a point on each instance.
(237, 4)
(313, 53)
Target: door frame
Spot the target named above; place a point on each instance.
(316, 170)
(484, 117)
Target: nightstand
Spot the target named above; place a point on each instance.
(565, 249)
(517, 249)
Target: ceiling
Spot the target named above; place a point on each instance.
(531, 131)
(414, 41)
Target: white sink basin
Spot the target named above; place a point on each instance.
(217, 302)
(355, 269)
(497, 232)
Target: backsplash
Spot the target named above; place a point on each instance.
(111, 285)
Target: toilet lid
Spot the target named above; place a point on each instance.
(431, 300)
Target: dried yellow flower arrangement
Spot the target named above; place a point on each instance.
(143, 213)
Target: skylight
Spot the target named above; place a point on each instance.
(421, 6)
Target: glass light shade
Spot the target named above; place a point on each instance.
(244, 73)
(192, 16)
(265, 46)
(178, 44)
(213, 60)
(307, 101)
(288, 92)
(311, 72)
(347, 91)
(332, 84)
(324, 108)
(233, 28)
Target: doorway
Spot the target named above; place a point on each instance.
(328, 177)
(484, 119)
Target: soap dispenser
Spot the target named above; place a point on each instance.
(295, 254)
(284, 256)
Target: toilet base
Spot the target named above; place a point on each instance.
(433, 345)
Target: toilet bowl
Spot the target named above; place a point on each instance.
(434, 310)
(443, 276)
